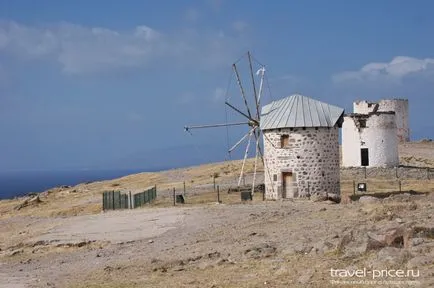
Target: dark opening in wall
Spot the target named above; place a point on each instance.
(364, 153)
(362, 123)
(275, 177)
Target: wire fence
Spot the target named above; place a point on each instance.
(419, 173)
(354, 181)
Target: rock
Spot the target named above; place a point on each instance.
(150, 241)
(28, 202)
(369, 199)
(334, 197)
(303, 248)
(395, 237)
(322, 209)
(345, 240)
(306, 277)
(260, 251)
(321, 247)
(389, 256)
(360, 241)
(424, 232)
(15, 252)
(399, 220)
(417, 241)
(420, 261)
(318, 198)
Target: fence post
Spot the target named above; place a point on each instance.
(184, 189)
(174, 196)
(396, 172)
(103, 201)
(400, 186)
(354, 187)
(213, 179)
(113, 200)
(130, 200)
(218, 194)
(308, 188)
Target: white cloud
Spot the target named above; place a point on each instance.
(240, 26)
(395, 70)
(79, 49)
(219, 94)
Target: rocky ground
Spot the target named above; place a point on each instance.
(263, 244)
(64, 240)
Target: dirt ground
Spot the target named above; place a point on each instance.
(66, 241)
(283, 244)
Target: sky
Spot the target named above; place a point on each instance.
(99, 83)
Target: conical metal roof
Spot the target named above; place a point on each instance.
(299, 111)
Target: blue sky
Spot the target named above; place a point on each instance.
(83, 83)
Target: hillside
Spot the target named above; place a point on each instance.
(63, 240)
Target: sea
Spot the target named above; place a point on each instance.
(20, 183)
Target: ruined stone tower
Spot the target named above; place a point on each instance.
(399, 106)
(370, 140)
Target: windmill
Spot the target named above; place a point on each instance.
(251, 114)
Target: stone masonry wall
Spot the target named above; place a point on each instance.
(312, 156)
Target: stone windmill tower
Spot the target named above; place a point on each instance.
(301, 147)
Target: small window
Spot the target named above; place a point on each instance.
(362, 123)
(275, 177)
(284, 141)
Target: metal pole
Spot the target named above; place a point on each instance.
(396, 172)
(174, 196)
(130, 200)
(213, 179)
(218, 194)
(187, 128)
(400, 190)
(184, 188)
